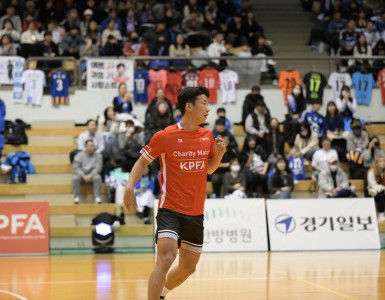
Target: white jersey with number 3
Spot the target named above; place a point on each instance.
(34, 81)
(228, 86)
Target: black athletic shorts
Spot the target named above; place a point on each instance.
(186, 230)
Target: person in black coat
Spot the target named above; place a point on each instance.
(250, 102)
(123, 102)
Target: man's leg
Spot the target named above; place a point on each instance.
(167, 251)
(76, 182)
(97, 186)
(186, 267)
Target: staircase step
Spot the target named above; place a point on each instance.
(50, 159)
(65, 140)
(85, 209)
(53, 124)
(24, 189)
(37, 149)
(81, 231)
(46, 179)
(72, 131)
(54, 169)
(62, 221)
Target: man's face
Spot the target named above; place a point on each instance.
(199, 110)
(261, 109)
(326, 145)
(316, 106)
(90, 148)
(92, 127)
(48, 38)
(160, 94)
(10, 11)
(221, 128)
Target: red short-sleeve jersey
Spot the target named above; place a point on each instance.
(183, 157)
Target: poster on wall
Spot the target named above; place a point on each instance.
(11, 71)
(107, 74)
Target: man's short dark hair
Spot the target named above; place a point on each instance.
(221, 110)
(189, 95)
(255, 88)
(120, 65)
(87, 141)
(89, 121)
(220, 121)
(47, 33)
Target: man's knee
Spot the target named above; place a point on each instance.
(165, 260)
(76, 179)
(96, 179)
(188, 268)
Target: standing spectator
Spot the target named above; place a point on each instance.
(306, 141)
(296, 105)
(7, 48)
(72, 42)
(123, 102)
(91, 134)
(281, 182)
(9, 30)
(357, 138)
(346, 104)
(258, 122)
(371, 34)
(11, 14)
(88, 15)
(275, 142)
(372, 151)
(87, 166)
(315, 119)
(216, 48)
(333, 182)
(47, 47)
(157, 39)
(110, 30)
(72, 20)
(235, 31)
(90, 47)
(322, 156)
(376, 185)
(252, 29)
(180, 49)
(118, 23)
(234, 182)
(134, 46)
(29, 39)
(250, 102)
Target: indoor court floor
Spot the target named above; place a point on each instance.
(225, 276)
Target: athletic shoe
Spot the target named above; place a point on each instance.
(98, 200)
(76, 200)
(372, 192)
(381, 218)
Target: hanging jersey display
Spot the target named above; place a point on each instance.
(60, 88)
(190, 78)
(287, 81)
(381, 83)
(174, 84)
(337, 80)
(141, 82)
(158, 80)
(315, 83)
(228, 86)
(34, 81)
(363, 86)
(210, 79)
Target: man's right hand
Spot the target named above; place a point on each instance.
(129, 199)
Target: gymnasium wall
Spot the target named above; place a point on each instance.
(85, 105)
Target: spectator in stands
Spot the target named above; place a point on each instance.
(275, 142)
(223, 63)
(335, 27)
(72, 43)
(110, 30)
(109, 127)
(258, 122)
(336, 5)
(261, 48)
(333, 182)
(334, 122)
(171, 16)
(376, 185)
(234, 182)
(29, 39)
(296, 105)
(306, 141)
(315, 119)
(146, 18)
(253, 158)
(123, 102)
(47, 13)
(380, 22)
(47, 47)
(190, 8)
(235, 31)
(220, 129)
(118, 23)
(362, 50)
(160, 96)
(134, 46)
(179, 49)
(322, 156)
(250, 102)
(90, 47)
(245, 8)
(30, 18)
(157, 39)
(281, 182)
(54, 30)
(372, 151)
(131, 23)
(210, 25)
(346, 104)
(112, 47)
(357, 138)
(11, 14)
(87, 18)
(226, 9)
(216, 48)
(7, 48)
(72, 20)
(193, 29)
(361, 21)
(221, 114)
(87, 166)
(62, 34)
(91, 134)
(348, 39)
(160, 118)
(252, 29)
(8, 29)
(352, 10)
(371, 34)
(144, 192)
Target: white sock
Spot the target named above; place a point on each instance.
(164, 293)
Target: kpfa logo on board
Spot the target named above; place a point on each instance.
(285, 223)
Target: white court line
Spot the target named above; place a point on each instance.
(14, 295)
(193, 279)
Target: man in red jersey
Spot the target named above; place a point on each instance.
(187, 153)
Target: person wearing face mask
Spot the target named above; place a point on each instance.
(296, 105)
(346, 104)
(372, 151)
(134, 46)
(281, 182)
(357, 138)
(275, 142)
(234, 182)
(333, 182)
(306, 141)
(376, 185)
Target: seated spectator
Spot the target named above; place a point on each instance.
(357, 138)
(362, 50)
(31, 18)
(335, 27)
(376, 185)
(371, 34)
(346, 104)
(134, 46)
(252, 29)
(281, 182)
(333, 182)
(87, 166)
(90, 47)
(160, 96)
(216, 48)
(47, 47)
(334, 122)
(210, 25)
(146, 18)
(131, 23)
(221, 114)
(130, 141)
(157, 39)
(144, 192)
(296, 105)
(322, 156)
(306, 141)
(53, 28)
(72, 43)
(112, 16)
(253, 159)
(260, 48)
(7, 48)
(380, 22)
(47, 13)
(110, 30)
(235, 31)
(348, 39)
(179, 49)
(29, 39)
(275, 142)
(87, 18)
(193, 28)
(91, 134)
(258, 122)
(29, 10)
(245, 51)
(361, 21)
(220, 129)
(190, 8)
(315, 119)
(224, 63)
(123, 102)
(8, 29)
(93, 32)
(250, 102)
(112, 47)
(160, 118)
(72, 20)
(12, 15)
(226, 8)
(372, 151)
(234, 182)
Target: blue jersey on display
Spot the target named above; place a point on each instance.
(60, 88)
(297, 167)
(316, 121)
(141, 82)
(363, 86)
